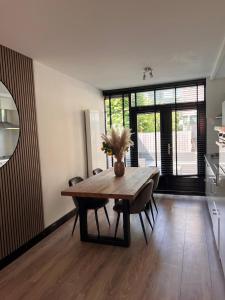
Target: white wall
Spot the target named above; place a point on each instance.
(215, 95)
(60, 102)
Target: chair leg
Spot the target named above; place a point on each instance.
(116, 201)
(107, 216)
(97, 224)
(117, 223)
(148, 205)
(143, 228)
(154, 203)
(152, 213)
(147, 216)
(75, 221)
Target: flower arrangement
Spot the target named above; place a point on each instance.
(117, 142)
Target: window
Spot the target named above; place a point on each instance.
(145, 98)
(117, 113)
(165, 96)
(186, 94)
(168, 124)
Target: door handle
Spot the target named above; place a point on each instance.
(169, 148)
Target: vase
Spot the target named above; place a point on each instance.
(119, 168)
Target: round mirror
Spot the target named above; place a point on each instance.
(9, 125)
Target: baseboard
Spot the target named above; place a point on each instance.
(187, 193)
(24, 248)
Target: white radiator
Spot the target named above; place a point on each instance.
(94, 122)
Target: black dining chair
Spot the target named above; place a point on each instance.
(90, 203)
(137, 206)
(149, 205)
(155, 178)
(97, 171)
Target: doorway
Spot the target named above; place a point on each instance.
(168, 138)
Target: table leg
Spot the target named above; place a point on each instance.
(83, 221)
(107, 240)
(126, 222)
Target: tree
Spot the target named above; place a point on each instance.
(146, 122)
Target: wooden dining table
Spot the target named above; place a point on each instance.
(107, 185)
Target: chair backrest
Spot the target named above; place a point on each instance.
(97, 171)
(73, 181)
(142, 198)
(155, 178)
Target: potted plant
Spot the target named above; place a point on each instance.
(117, 142)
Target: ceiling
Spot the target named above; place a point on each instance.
(108, 43)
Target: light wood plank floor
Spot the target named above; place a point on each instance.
(180, 261)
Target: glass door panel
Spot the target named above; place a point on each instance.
(148, 139)
(174, 146)
(158, 141)
(168, 139)
(185, 142)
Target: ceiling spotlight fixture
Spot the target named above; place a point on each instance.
(147, 70)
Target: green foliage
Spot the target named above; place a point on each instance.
(117, 112)
(147, 122)
(107, 149)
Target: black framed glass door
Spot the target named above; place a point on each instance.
(154, 140)
(167, 138)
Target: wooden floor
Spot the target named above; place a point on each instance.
(180, 261)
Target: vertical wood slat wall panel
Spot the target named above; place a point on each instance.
(21, 207)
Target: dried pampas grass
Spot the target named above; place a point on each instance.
(117, 142)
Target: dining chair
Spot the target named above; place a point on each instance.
(149, 206)
(97, 171)
(137, 206)
(155, 178)
(90, 204)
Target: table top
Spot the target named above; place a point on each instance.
(107, 185)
